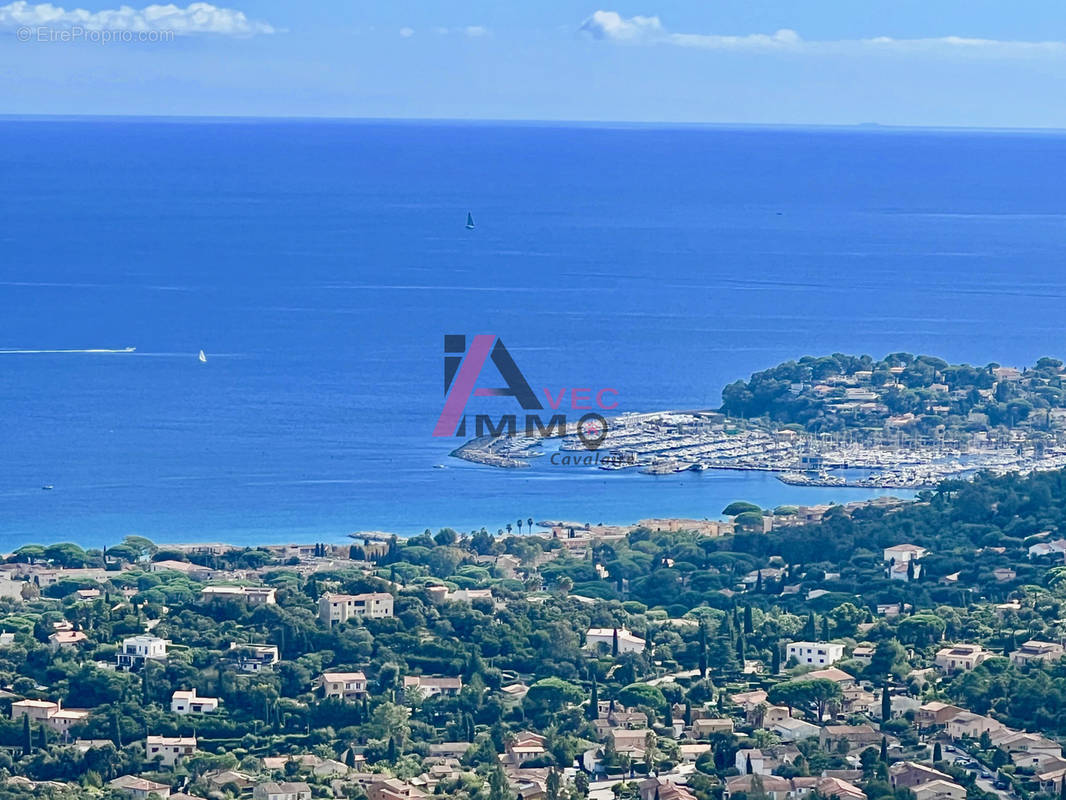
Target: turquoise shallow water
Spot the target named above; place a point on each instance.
(320, 264)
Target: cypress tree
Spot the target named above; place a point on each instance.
(808, 629)
(886, 704)
(349, 758)
(775, 658)
(825, 629)
(688, 713)
(703, 652)
(740, 650)
(614, 642)
(27, 739)
(884, 749)
(668, 718)
(1062, 789)
(747, 765)
(116, 730)
(749, 625)
(938, 754)
(593, 711)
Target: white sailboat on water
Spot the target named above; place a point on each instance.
(469, 221)
(202, 357)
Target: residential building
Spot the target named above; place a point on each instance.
(1055, 549)
(794, 730)
(837, 676)
(627, 642)
(66, 639)
(704, 728)
(430, 686)
(821, 653)
(168, 750)
(253, 657)
(857, 736)
(188, 702)
(343, 685)
(393, 789)
(333, 608)
(968, 725)
(908, 774)
(281, 791)
(939, 789)
(194, 571)
(524, 746)
(252, 595)
(902, 553)
(663, 788)
(935, 714)
(1034, 650)
(36, 710)
(961, 657)
(139, 788)
(136, 650)
(49, 713)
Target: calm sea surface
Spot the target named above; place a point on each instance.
(319, 265)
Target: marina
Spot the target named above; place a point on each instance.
(678, 441)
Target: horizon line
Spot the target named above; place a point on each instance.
(545, 122)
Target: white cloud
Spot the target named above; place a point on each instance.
(469, 31)
(406, 32)
(196, 18)
(613, 27)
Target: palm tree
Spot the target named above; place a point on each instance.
(529, 524)
(508, 527)
(519, 525)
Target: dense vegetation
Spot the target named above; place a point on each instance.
(813, 393)
(686, 594)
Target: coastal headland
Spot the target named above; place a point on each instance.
(903, 422)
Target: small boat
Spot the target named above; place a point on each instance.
(439, 466)
(48, 487)
(202, 357)
(469, 221)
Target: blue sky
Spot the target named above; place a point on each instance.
(895, 62)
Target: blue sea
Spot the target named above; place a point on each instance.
(319, 265)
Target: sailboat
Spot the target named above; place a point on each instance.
(469, 221)
(202, 357)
